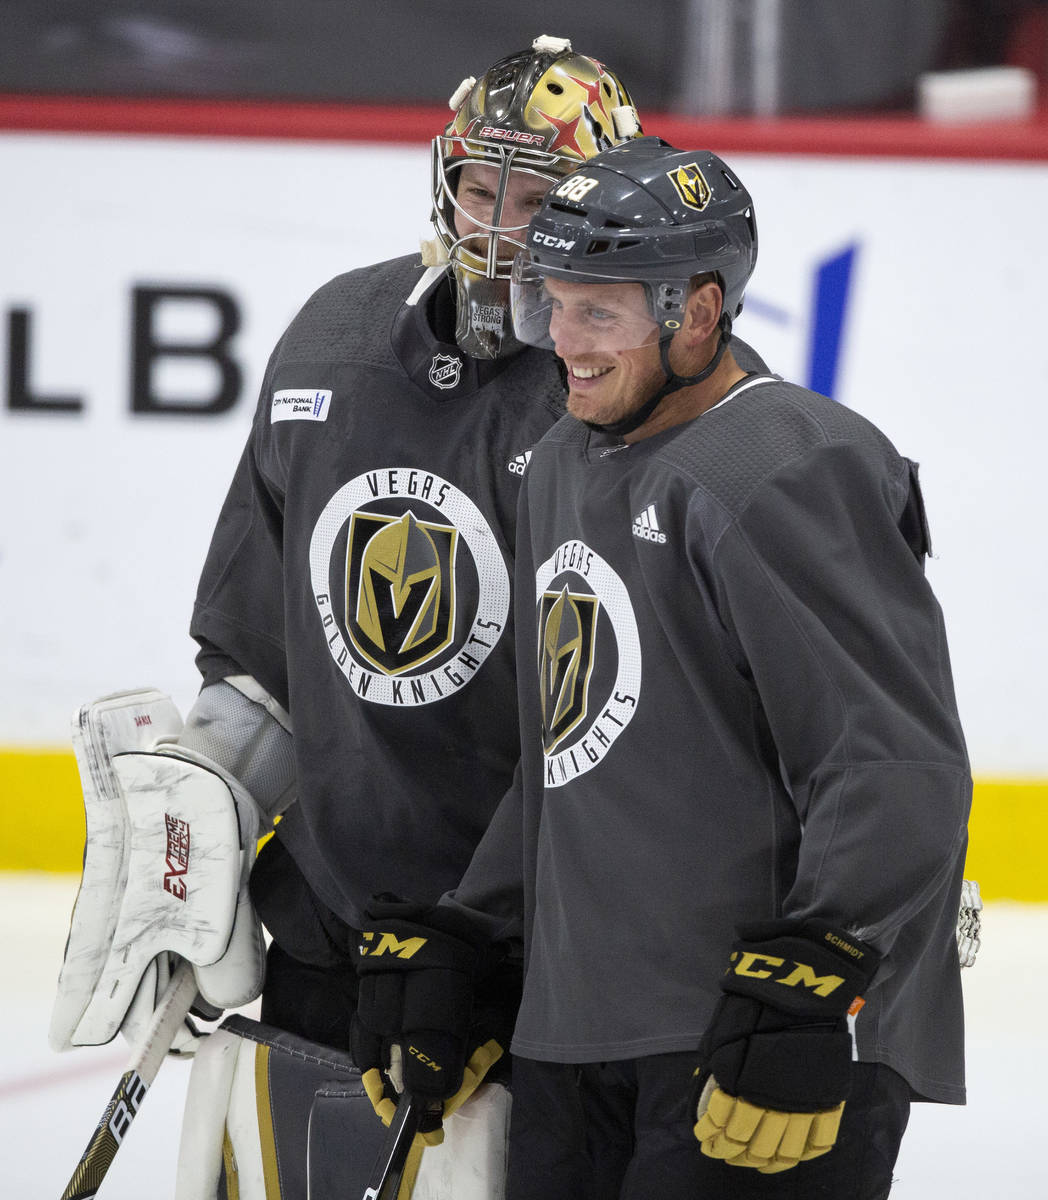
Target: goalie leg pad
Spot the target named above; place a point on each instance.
(470, 1164)
(208, 1099)
(272, 1116)
(261, 1136)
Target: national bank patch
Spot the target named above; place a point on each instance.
(300, 404)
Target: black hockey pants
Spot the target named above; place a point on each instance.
(621, 1131)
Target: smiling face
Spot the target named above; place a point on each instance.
(476, 195)
(609, 343)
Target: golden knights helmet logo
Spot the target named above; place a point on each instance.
(691, 186)
(400, 589)
(566, 628)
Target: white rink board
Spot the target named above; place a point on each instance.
(106, 514)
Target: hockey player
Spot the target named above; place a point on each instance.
(744, 787)
(360, 567)
(354, 613)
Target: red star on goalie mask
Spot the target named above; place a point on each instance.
(594, 92)
(565, 138)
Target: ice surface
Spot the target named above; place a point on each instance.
(49, 1103)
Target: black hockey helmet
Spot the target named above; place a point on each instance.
(544, 111)
(644, 212)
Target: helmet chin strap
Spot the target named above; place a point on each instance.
(674, 383)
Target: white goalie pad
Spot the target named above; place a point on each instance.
(170, 842)
(280, 1116)
(208, 1101)
(470, 1164)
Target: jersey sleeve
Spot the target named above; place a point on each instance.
(491, 892)
(238, 615)
(821, 584)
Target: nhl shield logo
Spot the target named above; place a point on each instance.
(400, 590)
(691, 186)
(445, 370)
(567, 623)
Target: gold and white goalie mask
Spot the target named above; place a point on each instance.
(530, 119)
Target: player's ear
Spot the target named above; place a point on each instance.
(702, 310)
(701, 315)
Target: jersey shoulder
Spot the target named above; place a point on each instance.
(349, 317)
(766, 427)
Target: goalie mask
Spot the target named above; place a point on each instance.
(542, 113)
(644, 213)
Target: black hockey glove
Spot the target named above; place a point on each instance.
(776, 1059)
(435, 1009)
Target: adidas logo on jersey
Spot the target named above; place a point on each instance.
(646, 526)
(518, 464)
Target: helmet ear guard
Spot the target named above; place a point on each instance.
(541, 112)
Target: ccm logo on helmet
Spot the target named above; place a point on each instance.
(551, 240)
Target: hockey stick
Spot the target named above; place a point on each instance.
(130, 1091)
(388, 1171)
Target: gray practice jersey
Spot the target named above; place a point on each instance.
(360, 571)
(739, 707)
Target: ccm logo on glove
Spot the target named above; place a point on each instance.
(775, 1062)
(389, 943)
(424, 1059)
(427, 1019)
(751, 964)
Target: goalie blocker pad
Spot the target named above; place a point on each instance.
(272, 1116)
(170, 842)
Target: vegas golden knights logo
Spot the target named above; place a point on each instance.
(567, 623)
(691, 186)
(400, 589)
